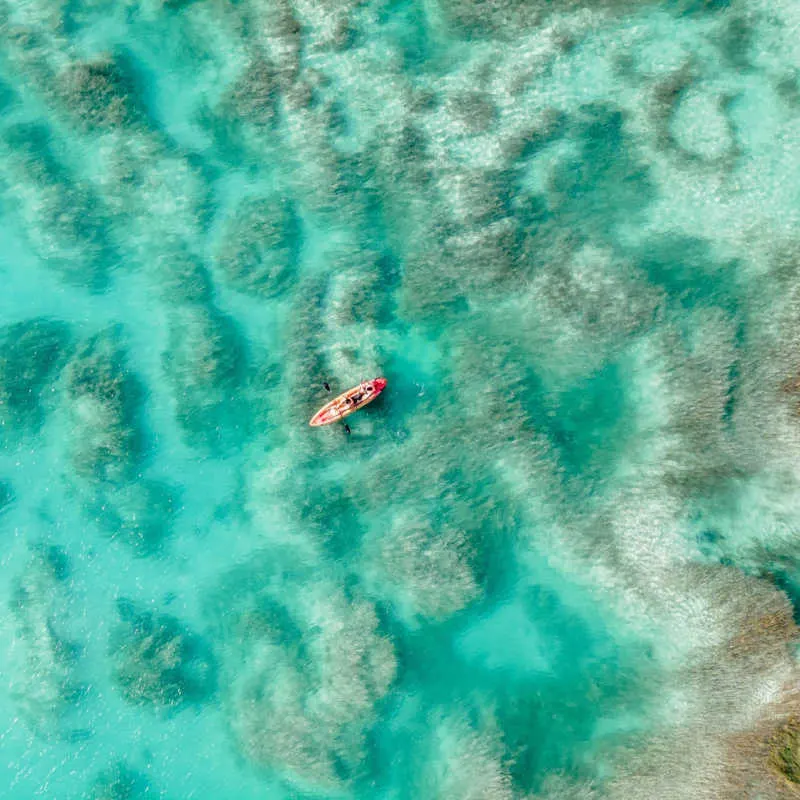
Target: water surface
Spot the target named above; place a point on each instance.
(558, 557)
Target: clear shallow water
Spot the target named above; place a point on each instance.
(558, 558)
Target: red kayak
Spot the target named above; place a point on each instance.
(348, 402)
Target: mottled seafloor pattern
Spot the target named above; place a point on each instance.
(559, 559)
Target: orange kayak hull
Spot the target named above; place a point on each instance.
(348, 402)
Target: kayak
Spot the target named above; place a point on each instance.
(348, 402)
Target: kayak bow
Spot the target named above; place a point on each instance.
(348, 402)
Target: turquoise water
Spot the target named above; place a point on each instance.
(558, 558)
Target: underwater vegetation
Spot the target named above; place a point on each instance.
(157, 661)
(104, 399)
(464, 762)
(6, 495)
(205, 363)
(98, 94)
(44, 683)
(302, 674)
(139, 514)
(257, 251)
(32, 353)
(61, 215)
(119, 782)
(785, 750)
(557, 559)
(430, 571)
(107, 446)
(252, 100)
(181, 277)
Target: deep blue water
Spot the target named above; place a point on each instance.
(557, 559)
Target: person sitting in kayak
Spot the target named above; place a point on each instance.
(366, 391)
(355, 399)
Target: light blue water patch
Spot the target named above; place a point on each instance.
(510, 640)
